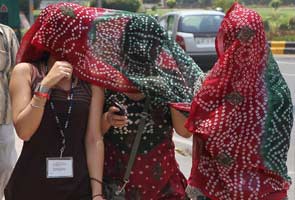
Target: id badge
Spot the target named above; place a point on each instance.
(59, 167)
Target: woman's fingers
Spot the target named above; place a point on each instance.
(59, 70)
(118, 124)
(114, 109)
(116, 120)
(66, 71)
(67, 74)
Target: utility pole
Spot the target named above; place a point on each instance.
(99, 3)
(31, 9)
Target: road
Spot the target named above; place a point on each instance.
(287, 67)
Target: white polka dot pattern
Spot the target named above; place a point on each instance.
(237, 112)
(118, 50)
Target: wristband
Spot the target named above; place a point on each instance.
(42, 91)
(42, 95)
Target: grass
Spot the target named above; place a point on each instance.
(284, 38)
(284, 12)
(276, 18)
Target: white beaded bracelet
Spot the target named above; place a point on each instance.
(34, 106)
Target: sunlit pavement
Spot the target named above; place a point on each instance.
(183, 146)
(287, 67)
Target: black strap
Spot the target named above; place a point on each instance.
(97, 195)
(96, 180)
(136, 140)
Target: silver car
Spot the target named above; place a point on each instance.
(195, 31)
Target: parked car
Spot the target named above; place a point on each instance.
(195, 32)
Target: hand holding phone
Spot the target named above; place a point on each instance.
(122, 109)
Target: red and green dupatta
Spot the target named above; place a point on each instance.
(117, 50)
(243, 115)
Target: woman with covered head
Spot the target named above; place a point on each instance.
(133, 59)
(55, 113)
(165, 79)
(241, 118)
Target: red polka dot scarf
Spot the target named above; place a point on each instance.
(121, 51)
(243, 115)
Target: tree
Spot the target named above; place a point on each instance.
(292, 23)
(129, 5)
(171, 3)
(275, 4)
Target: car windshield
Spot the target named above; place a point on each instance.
(200, 23)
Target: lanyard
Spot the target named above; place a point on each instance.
(58, 122)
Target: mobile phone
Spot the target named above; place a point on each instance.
(122, 109)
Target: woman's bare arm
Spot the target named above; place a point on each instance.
(178, 121)
(94, 141)
(27, 111)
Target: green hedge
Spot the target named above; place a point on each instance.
(128, 5)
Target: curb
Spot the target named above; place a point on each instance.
(282, 47)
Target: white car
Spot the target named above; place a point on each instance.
(195, 32)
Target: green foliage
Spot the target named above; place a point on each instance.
(206, 3)
(265, 2)
(272, 20)
(159, 11)
(277, 22)
(224, 4)
(186, 1)
(266, 25)
(128, 5)
(283, 27)
(284, 37)
(292, 23)
(283, 14)
(275, 4)
(152, 1)
(171, 3)
(92, 3)
(154, 8)
(288, 2)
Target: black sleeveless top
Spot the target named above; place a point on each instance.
(28, 180)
